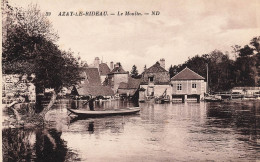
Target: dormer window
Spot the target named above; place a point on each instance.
(150, 79)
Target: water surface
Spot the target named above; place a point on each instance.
(228, 131)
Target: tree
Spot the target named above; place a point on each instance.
(246, 51)
(171, 71)
(29, 48)
(225, 73)
(134, 72)
(236, 49)
(255, 42)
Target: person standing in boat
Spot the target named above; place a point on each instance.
(91, 103)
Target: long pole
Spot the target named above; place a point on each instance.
(207, 78)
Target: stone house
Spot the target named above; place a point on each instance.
(188, 84)
(154, 82)
(116, 76)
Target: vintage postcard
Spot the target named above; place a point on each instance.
(132, 80)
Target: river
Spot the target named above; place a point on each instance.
(227, 131)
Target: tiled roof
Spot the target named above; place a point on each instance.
(156, 68)
(132, 84)
(92, 84)
(95, 91)
(129, 88)
(187, 74)
(92, 76)
(103, 69)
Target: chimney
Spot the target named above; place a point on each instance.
(111, 65)
(162, 62)
(96, 62)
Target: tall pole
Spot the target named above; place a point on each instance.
(207, 78)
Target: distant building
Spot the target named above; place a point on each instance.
(155, 81)
(247, 90)
(103, 68)
(17, 87)
(91, 84)
(187, 83)
(116, 76)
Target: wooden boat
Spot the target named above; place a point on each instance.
(213, 98)
(93, 114)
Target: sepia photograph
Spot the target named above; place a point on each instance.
(130, 80)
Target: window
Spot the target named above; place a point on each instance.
(150, 79)
(179, 87)
(194, 85)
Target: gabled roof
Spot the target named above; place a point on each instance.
(156, 68)
(132, 84)
(92, 84)
(92, 76)
(187, 74)
(103, 69)
(129, 88)
(119, 70)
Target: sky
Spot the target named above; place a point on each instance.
(183, 29)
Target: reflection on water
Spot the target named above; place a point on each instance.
(36, 145)
(161, 132)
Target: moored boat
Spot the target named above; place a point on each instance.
(93, 114)
(213, 98)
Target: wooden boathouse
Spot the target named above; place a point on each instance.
(188, 85)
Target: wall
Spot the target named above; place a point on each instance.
(187, 87)
(17, 87)
(102, 77)
(157, 89)
(160, 77)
